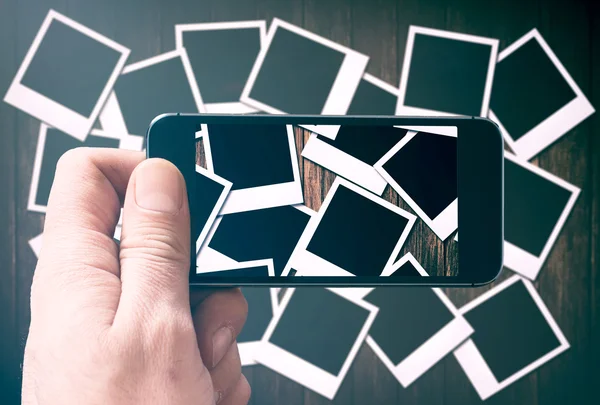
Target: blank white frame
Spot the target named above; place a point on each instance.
(112, 115)
(402, 109)
(446, 222)
(300, 370)
(37, 164)
(433, 349)
(234, 107)
(309, 264)
(268, 196)
(556, 125)
(344, 86)
(518, 259)
(44, 108)
(343, 164)
(210, 258)
(473, 363)
(218, 205)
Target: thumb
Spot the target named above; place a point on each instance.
(155, 240)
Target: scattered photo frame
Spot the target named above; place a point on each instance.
(325, 89)
(354, 152)
(426, 90)
(332, 246)
(244, 236)
(530, 75)
(145, 80)
(274, 182)
(440, 214)
(209, 203)
(222, 55)
(374, 97)
(49, 151)
(437, 327)
(41, 85)
(318, 361)
(493, 366)
(534, 216)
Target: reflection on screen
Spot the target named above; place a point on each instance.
(325, 200)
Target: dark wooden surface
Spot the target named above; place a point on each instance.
(569, 282)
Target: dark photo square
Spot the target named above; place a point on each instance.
(268, 233)
(528, 88)
(510, 331)
(447, 75)
(297, 74)
(251, 155)
(357, 234)
(320, 326)
(222, 60)
(71, 68)
(157, 89)
(371, 99)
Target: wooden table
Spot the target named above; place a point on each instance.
(569, 282)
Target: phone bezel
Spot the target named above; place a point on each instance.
(480, 185)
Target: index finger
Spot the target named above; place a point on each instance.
(83, 209)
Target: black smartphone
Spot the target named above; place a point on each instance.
(285, 200)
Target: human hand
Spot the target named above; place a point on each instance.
(114, 325)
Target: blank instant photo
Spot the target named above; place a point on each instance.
(211, 193)
(534, 99)
(446, 73)
(315, 336)
(67, 75)
(422, 169)
(261, 162)
(355, 233)
(514, 335)
(298, 72)
(251, 235)
(374, 97)
(52, 144)
(353, 153)
(146, 89)
(536, 206)
(436, 328)
(222, 56)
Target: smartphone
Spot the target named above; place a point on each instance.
(286, 200)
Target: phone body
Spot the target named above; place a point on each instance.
(390, 221)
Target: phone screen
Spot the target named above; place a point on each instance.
(293, 200)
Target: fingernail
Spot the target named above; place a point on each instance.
(159, 186)
(222, 339)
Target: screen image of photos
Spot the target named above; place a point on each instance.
(326, 200)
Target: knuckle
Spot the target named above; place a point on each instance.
(154, 244)
(74, 158)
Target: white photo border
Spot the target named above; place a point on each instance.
(306, 263)
(402, 109)
(340, 95)
(473, 363)
(44, 108)
(558, 123)
(268, 196)
(300, 370)
(233, 107)
(446, 222)
(518, 259)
